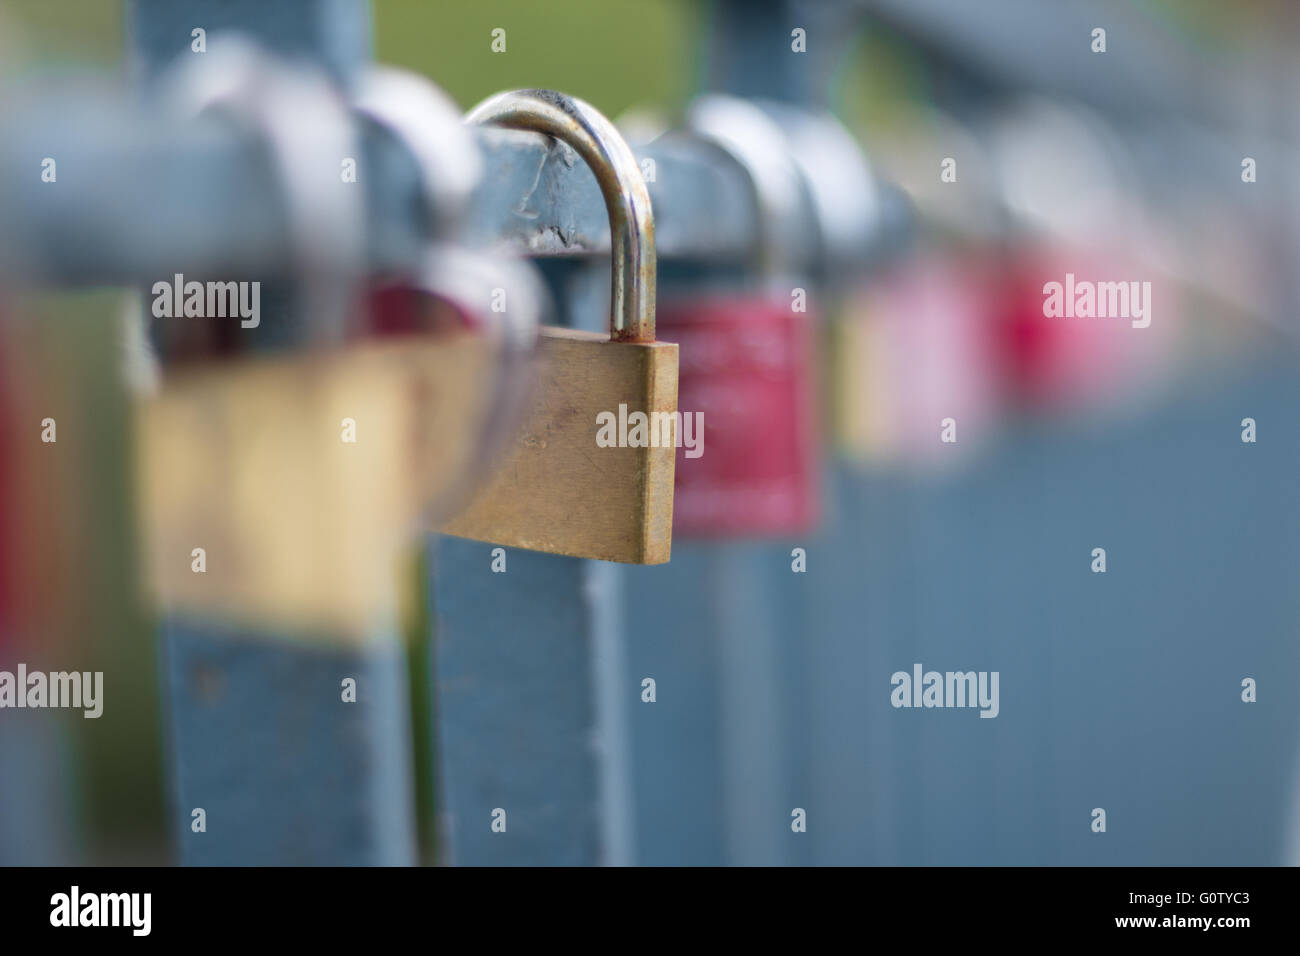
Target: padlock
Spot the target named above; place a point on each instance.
(915, 370)
(860, 228)
(304, 127)
(748, 358)
(747, 464)
(301, 477)
(277, 490)
(581, 478)
(281, 492)
(453, 288)
(1077, 232)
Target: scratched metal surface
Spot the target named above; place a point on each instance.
(287, 772)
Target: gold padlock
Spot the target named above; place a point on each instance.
(285, 492)
(280, 491)
(558, 489)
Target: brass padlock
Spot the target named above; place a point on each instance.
(280, 490)
(284, 492)
(558, 488)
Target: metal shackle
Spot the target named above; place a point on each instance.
(305, 125)
(428, 123)
(757, 143)
(631, 220)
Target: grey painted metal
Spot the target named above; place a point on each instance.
(714, 778)
(1119, 690)
(287, 772)
(332, 33)
(529, 683)
(673, 623)
(515, 705)
(126, 208)
(610, 692)
(750, 50)
(35, 790)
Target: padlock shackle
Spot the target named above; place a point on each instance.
(428, 123)
(631, 220)
(300, 117)
(757, 143)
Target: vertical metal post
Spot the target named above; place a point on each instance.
(717, 755)
(515, 708)
(529, 683)
(285, 772)
(284, 769)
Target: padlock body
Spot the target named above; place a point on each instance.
(911, 350)
(563, 486)
(302, 478)
(747, 367)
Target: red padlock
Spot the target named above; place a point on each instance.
(1076, 327)
(747, 460)
(746, 464)
(1081, 312)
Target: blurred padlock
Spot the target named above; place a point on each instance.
(303, 126)
(1052, 362)
(496, 297)
(1072, 309)
(590, 471)
(747, 357)
(859, 229)
(912, 352)
(274, 489)
(279, 492)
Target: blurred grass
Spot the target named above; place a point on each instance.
(80, 532)
(62, 34)
(615, 54)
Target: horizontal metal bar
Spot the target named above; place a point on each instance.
(138, 196)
